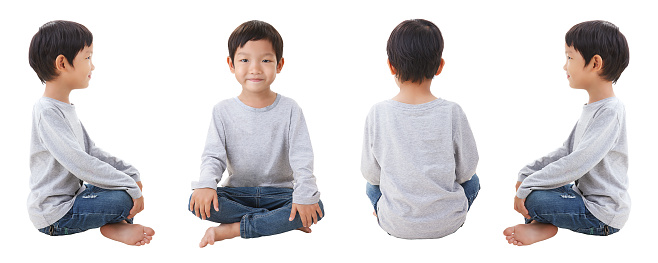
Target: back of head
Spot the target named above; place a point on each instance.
(604, 39)
(53, 39)
(414, 49)
(255, 30)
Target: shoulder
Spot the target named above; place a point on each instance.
(611, 108)
(455, 108)
(381, 106)
(224, 104)
(47, 108)
(287, 102)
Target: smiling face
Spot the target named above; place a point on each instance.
(577, 73)
(255, 66)
(78, 76)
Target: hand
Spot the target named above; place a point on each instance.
(201, 200)
(308, 213)
(138, 206)
(519, 206)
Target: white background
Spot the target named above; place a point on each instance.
(161, 66)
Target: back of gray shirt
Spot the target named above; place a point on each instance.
(419, 155)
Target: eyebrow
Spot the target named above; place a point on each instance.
(244, 53)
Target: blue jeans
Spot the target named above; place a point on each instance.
(564, 208)
(93, 208)
(261, 211)
(471, 189)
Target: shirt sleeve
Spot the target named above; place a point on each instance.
(599, 138)
(546, 160)
(305, 189)
(104, 156)
(465, 150)
(57, 136)
(213, 159)
(369, 166)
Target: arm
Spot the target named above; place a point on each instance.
(466, 152)
(57, 137)
(546, 160)
(115, 162)
(305, 195)
(300, 153)
(213, 164)
(600, 136)
(369, 166)
(214, 158)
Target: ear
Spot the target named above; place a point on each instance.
(391, 68)
(596, 63)
(279, 66)
(230, 64)
(443, 62)
(61, 63)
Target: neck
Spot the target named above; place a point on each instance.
(58, 92)
(600, 92)
(257, 99)
(415, 93)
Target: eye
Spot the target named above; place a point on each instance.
(267, 60)
(244, 60)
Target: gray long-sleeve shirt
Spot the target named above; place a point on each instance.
(419, 155)
(595, 156)
(267, 146)
(62, 156)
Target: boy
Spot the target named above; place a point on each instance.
(419, 155)
(261, 138)
(595, 155)
(63, 157)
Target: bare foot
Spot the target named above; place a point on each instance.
(219, 233)
(526, 234)
(374, 213)
(130, 234)
(305, 229)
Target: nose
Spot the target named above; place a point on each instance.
(255, 68)
(92, 66)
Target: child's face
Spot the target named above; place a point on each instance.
(577, 74)
(255, 65)
(78, 76)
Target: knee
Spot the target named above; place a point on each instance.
(119, 200)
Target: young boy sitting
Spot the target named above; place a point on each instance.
(63, 157)
(419, 154)
(261, 138)
(595, 155)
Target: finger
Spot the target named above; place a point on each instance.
(293, 211)
(314, 216)
(207, 210)
(197, 210)
(319, 211)
(192, 205)
(215, 201)
(307, 222)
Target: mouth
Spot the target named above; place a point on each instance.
(255, 80)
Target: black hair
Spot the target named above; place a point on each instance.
(53, 39)
(255, 30)
(604, 39)
(414, 49)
